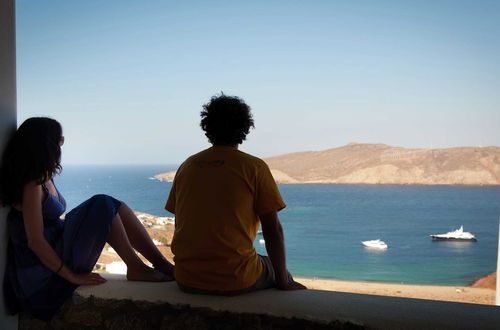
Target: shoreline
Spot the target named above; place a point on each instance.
(463, 294)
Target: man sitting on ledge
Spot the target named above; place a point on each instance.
(219, 196)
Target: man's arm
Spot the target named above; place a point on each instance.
(275, 246)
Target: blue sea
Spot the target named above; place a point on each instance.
(325, 223)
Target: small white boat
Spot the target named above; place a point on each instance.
(375, 244)
(455, 235)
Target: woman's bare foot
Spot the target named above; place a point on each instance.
(166, 268)
(147, 274)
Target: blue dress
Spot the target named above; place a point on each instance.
(78, 240)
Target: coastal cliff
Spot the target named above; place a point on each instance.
(487, 282)
(382, 164)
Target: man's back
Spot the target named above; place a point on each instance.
(216, 197)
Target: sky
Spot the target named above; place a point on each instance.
(127, 79)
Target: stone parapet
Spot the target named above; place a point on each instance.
(120, 304)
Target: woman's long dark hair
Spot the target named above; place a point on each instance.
(33, 152)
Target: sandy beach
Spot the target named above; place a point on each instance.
(462, 294)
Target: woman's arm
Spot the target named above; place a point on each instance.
(33, 224)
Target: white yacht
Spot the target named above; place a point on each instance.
(375, 244)
(455, 235)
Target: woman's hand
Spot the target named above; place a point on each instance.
(86, 279)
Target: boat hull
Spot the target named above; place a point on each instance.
(434, 238)
(377, 247)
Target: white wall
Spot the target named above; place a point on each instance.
(7, 123)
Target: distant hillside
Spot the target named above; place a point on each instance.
(383, 164)
(487, 282)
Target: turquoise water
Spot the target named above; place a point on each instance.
(325, 224)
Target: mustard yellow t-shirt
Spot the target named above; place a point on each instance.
(217, 197)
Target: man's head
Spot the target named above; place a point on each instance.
(226, 120)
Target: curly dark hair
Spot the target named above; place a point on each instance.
(33, 152)
(226, 120)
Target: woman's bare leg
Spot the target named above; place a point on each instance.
(142, 242)
(136, 269)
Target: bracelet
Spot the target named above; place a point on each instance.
(60, 267)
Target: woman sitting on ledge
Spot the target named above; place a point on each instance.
(48, 258)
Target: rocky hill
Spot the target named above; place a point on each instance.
(487, 282)
(383, 164)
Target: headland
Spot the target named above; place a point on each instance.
(357, 163)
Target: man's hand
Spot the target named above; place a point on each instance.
(87, 279)
(290, 284)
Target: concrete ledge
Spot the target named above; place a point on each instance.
(120, 304)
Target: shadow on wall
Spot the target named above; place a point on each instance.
(7, 122)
